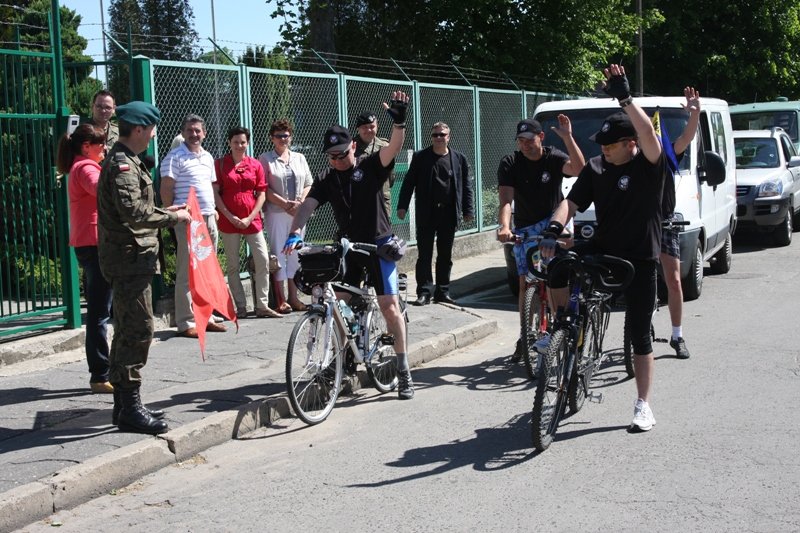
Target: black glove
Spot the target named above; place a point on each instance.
(618, 87)
(553, 230)
(397, 110)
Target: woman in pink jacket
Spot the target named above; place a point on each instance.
(79, 155)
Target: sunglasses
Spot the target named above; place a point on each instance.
(339, 156)
(438, 135)
(282, 135)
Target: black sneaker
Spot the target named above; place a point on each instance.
(405, 387)
(679, 345)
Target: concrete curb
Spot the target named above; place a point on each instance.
(74, 485)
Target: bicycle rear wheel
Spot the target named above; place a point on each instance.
(382, 366)
(551, 390)
(313, 381)
(530, 328)
(588, 355)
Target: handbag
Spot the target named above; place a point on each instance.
(392, 250)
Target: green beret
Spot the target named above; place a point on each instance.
(139, 113)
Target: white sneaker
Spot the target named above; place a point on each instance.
(542, 344)
(643, 419)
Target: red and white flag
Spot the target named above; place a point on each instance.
(206, 282)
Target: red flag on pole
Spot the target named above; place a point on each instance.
(206, 282)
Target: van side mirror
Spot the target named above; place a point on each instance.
(713, 172)
(794, 161)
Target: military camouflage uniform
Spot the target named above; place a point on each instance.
(111, 130)
(363, 150)
(127, 229)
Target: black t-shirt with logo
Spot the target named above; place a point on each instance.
(627, 201)
(356, 196)
(537, 184)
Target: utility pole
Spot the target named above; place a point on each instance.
(103, 33)
(640, 56)
(213, 31)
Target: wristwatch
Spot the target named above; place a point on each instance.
(625, 102)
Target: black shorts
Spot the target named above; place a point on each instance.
(382, 274)
(640, 298)
(670, 240)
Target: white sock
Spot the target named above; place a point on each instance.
(677, 332)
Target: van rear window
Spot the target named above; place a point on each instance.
(586, 122)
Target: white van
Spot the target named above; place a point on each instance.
(705, 184)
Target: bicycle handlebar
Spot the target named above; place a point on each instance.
(599, 266)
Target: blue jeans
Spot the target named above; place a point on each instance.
(98, 310)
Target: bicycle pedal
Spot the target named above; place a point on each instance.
(661, 339)
(595, 397)
(387, 339)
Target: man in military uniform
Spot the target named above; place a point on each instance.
(367, 143)
(103, 108)
(127, 227)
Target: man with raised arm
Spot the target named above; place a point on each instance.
(670, 237)
(625, 183)
(354, 188)
(531, 177)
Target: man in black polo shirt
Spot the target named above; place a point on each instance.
(531, 177)
(626, 184)
(354, 188)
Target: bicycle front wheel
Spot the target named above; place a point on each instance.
(532, 316)
(382, 366)
(588, 356)
(551, 390)
(314, 377)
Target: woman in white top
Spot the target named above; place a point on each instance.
(289, 179)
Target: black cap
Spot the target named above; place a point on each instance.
(367, 117)
(615, 127)
(528, 128)
(337, 139)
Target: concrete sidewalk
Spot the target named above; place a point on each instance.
(59, 448)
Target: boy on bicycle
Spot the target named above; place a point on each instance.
(531, 177)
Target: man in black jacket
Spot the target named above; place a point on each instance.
(444, 194)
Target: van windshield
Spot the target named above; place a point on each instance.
(586, 122)
(764, 120)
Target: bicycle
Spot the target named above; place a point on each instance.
(536, 318)
(627, 345)
(332, 330)
(575, 349)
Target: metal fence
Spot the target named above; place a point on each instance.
(482, 121)
(38, 274)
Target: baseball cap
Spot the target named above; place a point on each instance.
(337, 139)
(528, 128)
(615, 127)
(367, 117)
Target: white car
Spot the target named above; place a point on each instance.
(767, 182)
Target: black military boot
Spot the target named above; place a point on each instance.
(134, 417)
(158, 414)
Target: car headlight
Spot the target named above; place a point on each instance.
(770, 188)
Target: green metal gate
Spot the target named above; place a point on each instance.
(34, 292)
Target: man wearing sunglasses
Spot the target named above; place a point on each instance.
(626, 184)
(367, 143)
(354, 188)
(444, 194)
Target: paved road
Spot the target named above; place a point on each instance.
(723, 456)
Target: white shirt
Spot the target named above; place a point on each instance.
(190, 169)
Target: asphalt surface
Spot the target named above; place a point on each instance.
(58, 446)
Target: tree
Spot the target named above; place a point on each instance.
(160, 29)
(738, 50)
(552, 43)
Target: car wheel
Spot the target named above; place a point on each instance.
(693, 284)
(721, 262)
(782, 236)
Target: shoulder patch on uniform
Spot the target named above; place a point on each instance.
(120, 157)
